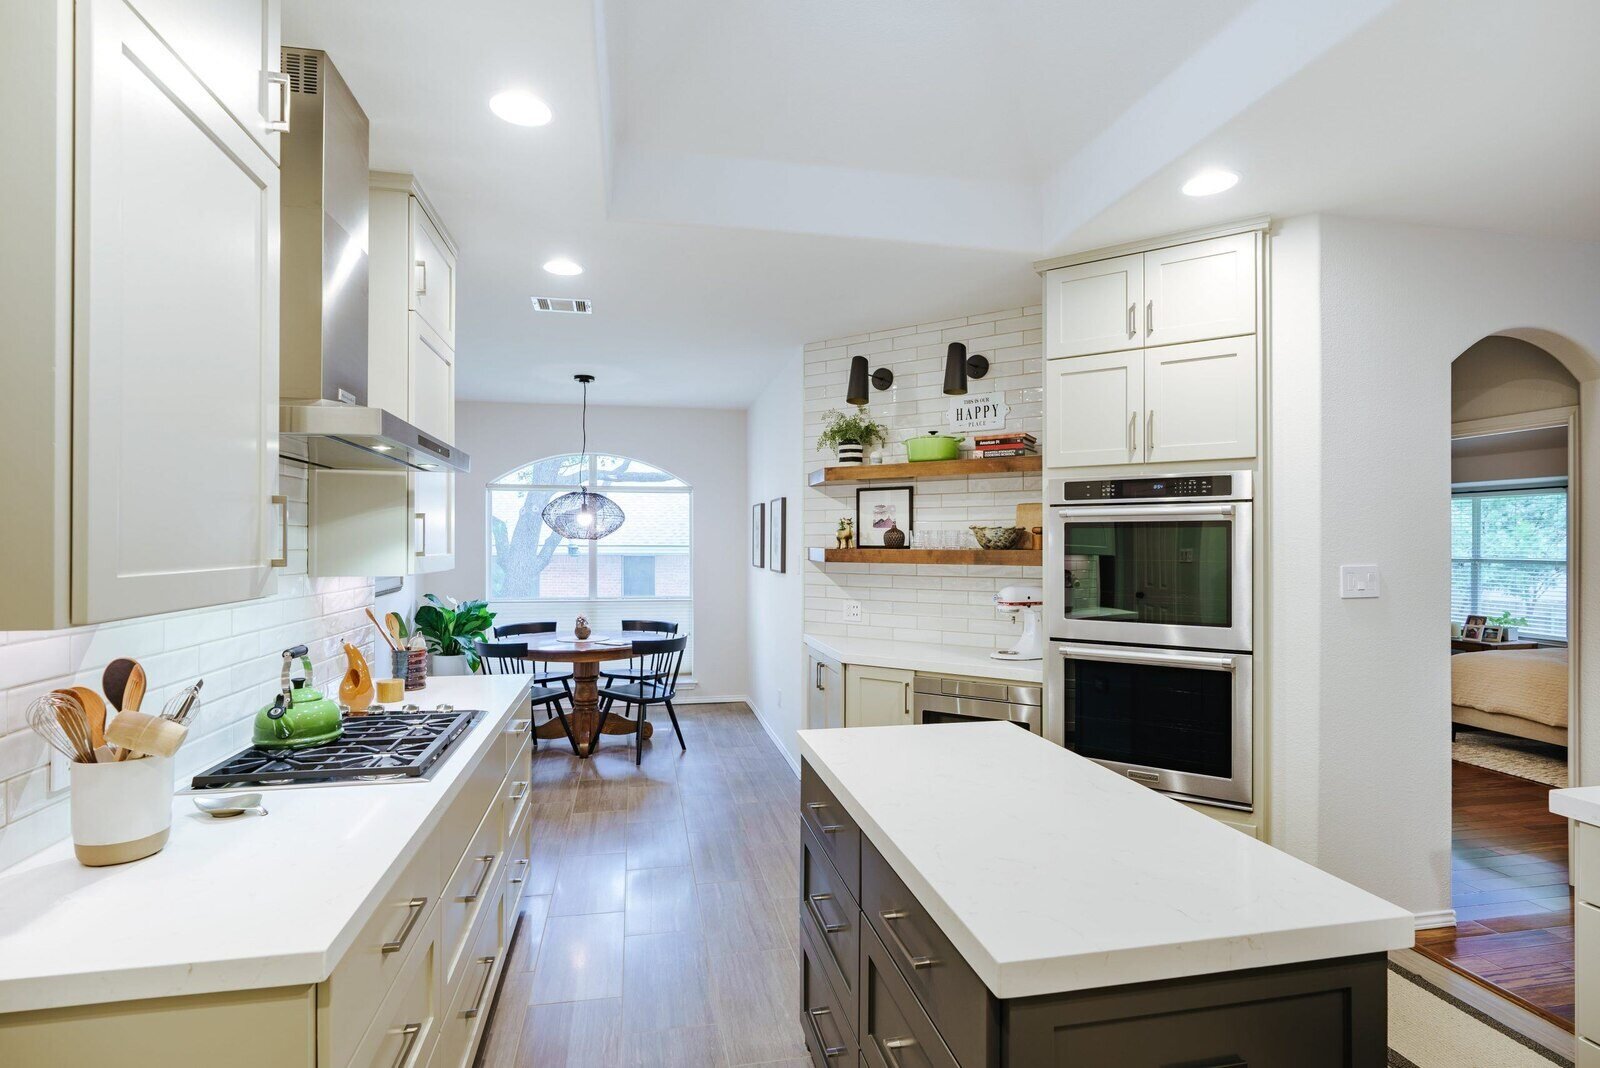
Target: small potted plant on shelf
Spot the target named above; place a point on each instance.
(1510, 625)
(851, 434)
(450, 627)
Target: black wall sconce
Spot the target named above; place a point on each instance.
(958, 366)
(856, 392)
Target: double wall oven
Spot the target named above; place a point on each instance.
(1150, 596)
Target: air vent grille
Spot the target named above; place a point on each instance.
(304, 71)
(568, 305)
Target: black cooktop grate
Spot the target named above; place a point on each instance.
(394, 745)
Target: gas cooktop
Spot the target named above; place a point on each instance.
(392, 746)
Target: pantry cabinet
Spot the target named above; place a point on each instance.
(877, 696)
(148, 381)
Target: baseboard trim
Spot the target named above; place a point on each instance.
(783, 750)
(1435, 918)
(686, 698)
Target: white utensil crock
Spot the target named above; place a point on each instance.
(121, 811)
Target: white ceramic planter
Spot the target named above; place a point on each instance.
(850, 454)
(448, 665)
(121, 811)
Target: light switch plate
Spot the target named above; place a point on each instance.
(852, 611)
(1358, 580)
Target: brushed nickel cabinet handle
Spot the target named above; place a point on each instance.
(521, 794)
(828, 1051)
(415, 906)
(483, 991)
(915, 961)
(888, 1048)
(1132, 328)
(281, 83)
(1133, 433)
(423, 516)
(524, 875)
(283, 531)
(487, 860)
(1149, 316)
(816, 913)
(422, 277)
(1150, 429)
(410, 1031)
(518, 726)
(825, 828)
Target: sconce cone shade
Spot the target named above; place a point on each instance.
(955, 370)
(856, 392)
(583, 516)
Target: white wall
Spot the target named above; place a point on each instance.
(704, 447)
(1507, 376)
(777, 661)
(1367, 318)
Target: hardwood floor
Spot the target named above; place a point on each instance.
(1509, 888)
(660, 922)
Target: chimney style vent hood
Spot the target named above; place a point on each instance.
(323, 418)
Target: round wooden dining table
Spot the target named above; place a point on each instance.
(586, 657)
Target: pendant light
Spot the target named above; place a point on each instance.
(582, 515)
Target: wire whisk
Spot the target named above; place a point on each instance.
(60, 720)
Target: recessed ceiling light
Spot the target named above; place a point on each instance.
(1210, 182)
(563, 266)
(520, 108)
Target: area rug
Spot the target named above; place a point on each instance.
(1522, 757)
(1430, 1029)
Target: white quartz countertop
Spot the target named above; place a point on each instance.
(1581, 803)
(1051, 873)
(234, 904)
(926, 656)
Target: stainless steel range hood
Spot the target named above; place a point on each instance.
(323, 418)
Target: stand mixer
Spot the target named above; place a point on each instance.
(1023, 601)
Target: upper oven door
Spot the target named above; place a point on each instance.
(1153, 574)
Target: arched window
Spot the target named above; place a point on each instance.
(647, 558)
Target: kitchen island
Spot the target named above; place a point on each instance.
(973, 895)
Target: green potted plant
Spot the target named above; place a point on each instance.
(1510, 625)
(450, 627)
(851, 434)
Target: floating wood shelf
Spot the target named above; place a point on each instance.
(1000, 465)
(1008, 557)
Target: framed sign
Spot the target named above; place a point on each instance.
(977, 411)
(758, 536)
(777, 537)
(878, 509)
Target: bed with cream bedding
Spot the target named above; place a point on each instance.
(1522, 692)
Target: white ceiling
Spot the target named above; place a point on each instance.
(741, 177)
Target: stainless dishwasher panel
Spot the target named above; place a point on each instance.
(947, 699)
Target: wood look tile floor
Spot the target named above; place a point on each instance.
(1509, 888)
(660, 918)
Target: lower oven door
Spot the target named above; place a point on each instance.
(1179, 722)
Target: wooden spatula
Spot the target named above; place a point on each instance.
(94, 709)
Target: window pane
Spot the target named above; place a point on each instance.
(656, 529)
(551, 471)
(1523, 526)
(1535, 592)
(1520, 565)
(623, 471)
(1460, 527)
(526, 558)
(1462, 603)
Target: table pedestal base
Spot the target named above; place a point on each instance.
(586, 711)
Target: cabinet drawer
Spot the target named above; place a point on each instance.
(834, 829)
(826, 1012)
(519, 854)
(830, 910)
(469, 890)
(381, 952)
(466, 811)
(405, 1026)
(518, 737)
(1586, 864)
(1586, 953)
(1588, 1054)
(473, 995)
(949, 990)
(895, 1032)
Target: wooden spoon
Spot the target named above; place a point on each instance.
(115, 681)
(383, 630)
(94, 709)
(397, 628)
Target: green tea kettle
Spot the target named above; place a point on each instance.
(299, 716)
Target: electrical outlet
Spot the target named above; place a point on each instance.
(852, 611)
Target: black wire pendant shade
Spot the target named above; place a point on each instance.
(583, 515)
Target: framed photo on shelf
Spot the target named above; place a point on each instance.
(1493, 633)
(878, 509)
(778, 533)
(1472, 632)
(1477, 621)
(758, 535)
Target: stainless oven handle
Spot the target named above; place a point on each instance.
(1149, 656)
(1133, 513)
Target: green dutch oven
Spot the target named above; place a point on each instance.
(299, 716)
(933, 446)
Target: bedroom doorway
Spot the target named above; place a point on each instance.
(1513, 585)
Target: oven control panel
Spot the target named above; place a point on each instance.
(1144, 489)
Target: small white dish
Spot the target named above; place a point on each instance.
(222, 808)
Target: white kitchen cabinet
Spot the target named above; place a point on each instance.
(1093, 409)
(876, 696)
(1200, 400)
(433, 523)
(1094, 307)
(433, 273)
(379, 523)
(825, 695)
(175, 333)
(432, 388)
(1199, 291)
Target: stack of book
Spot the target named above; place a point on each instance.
(1007, 444)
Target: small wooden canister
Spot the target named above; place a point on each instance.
(411, 665)
(121, 810)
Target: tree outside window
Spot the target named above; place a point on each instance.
(1508, 553)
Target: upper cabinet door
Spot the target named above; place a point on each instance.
(1093, 409)
(1200, 291)
(1200, 400)
(433, 275)
(231, 46)
(433, 376)
(175, 334)
(1094, 307)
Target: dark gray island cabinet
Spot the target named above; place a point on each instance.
(892, 977)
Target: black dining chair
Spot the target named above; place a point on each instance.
(545, 673)
(511, 658)
(635, 670)
(663, 659)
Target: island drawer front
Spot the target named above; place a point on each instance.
(895, 1032)
(957, 1001)
(405, 1026)
(1586, 953)
(833, 916)
(518, 735)
(461, 819)
(828, 820)
(470, 889)
(381, 951)
(1588, 1054)
(826, 1013)
(1586, 869)
(473, 994)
